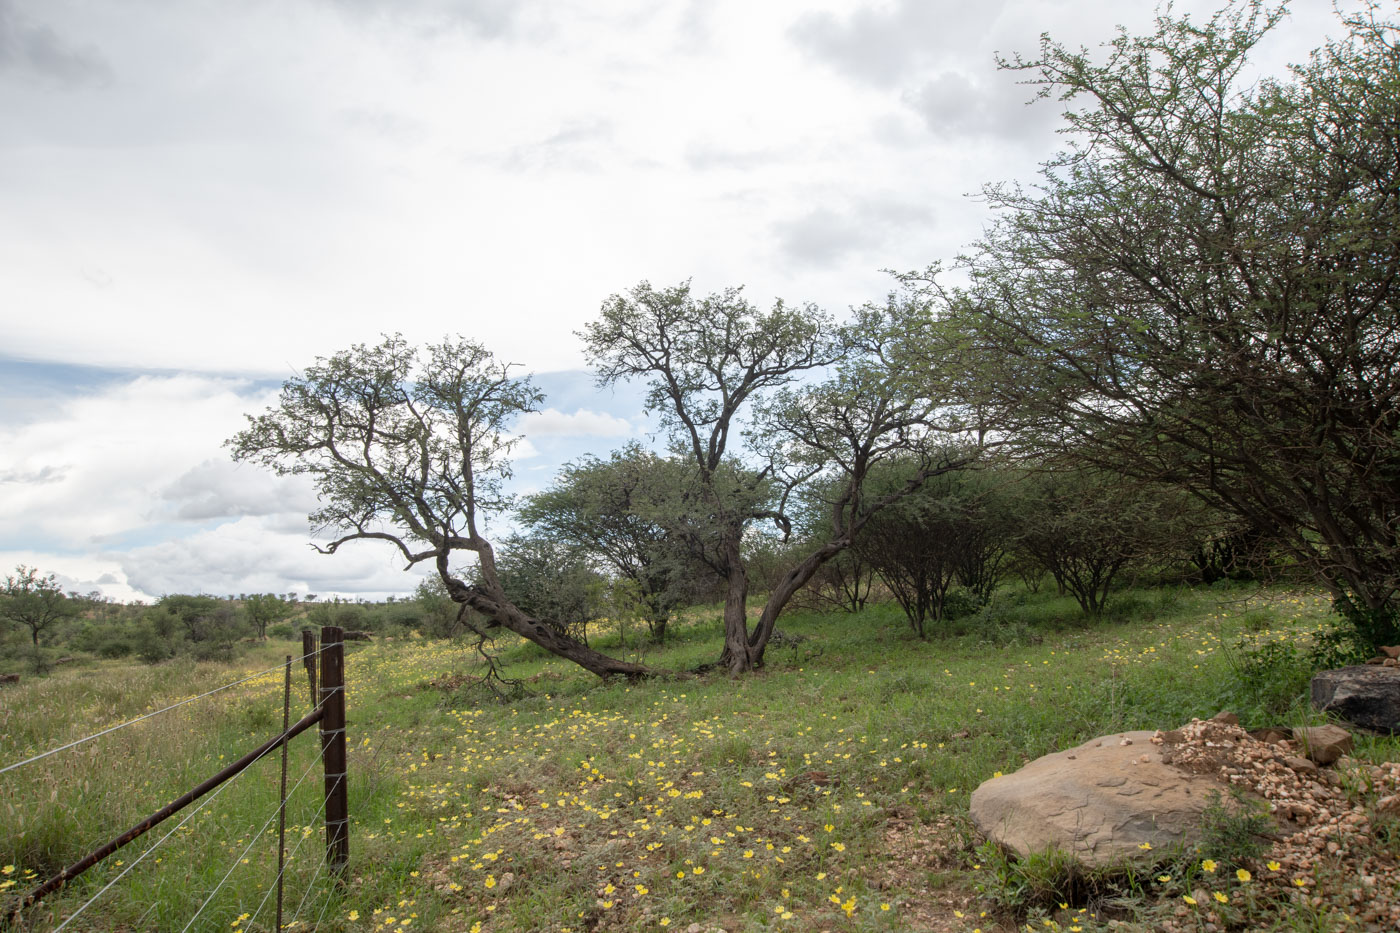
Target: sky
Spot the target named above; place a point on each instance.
(198, 199)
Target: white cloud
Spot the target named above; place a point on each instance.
(105, 465)
(224, 489)
(249, 555)
(551, 422)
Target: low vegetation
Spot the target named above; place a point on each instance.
(825, 793)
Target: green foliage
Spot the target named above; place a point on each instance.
(551, 582)
(435, 611)
(1235, 830)
(1041, 880)
(1087, 527)
(1270, 679)
(150, 644)
(1141, 309)
(264, 609)
(33, 602)
(635, 515)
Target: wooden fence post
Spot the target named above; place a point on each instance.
(308, 657)
(333, 747)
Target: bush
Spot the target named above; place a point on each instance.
(283, 630)
(150, 645)
(1269, 679)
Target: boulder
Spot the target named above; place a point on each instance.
(1365, 695)
(1100, 802)
(1323, 744)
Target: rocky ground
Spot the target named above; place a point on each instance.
(1338, 819)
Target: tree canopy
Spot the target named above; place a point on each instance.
(35, 602)
(720, 371)
(410, 447)
(1202, 288)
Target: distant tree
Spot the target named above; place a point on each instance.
(265, 609)
(1201, 289)
(410, 447)
(200, 617)
(1087, 526)
(716, 362)
(627, 512)
(34, 602)
(920, 545)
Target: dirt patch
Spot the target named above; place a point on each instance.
(923, 863)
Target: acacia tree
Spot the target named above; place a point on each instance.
(1088, 527)
(626, 512)
(264, 609)
(410, 447)
(35, 602)
(713, 362)
(1202, 288)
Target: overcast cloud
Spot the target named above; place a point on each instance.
(200, 198)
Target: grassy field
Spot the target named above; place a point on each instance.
(828, 792)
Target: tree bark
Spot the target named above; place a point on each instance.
(547, 637)
(788, 587)
(737, 657)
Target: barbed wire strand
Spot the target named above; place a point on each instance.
(132, 722)
(290, 855)
(322, 915)
(238, 860)
(310, 886)
(137, 861)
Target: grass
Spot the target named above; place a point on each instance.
(827, 792)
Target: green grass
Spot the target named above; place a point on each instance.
(828, 791)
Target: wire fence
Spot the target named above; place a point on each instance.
(190, 878)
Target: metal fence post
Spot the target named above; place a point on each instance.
(308, 657)
(333, 747)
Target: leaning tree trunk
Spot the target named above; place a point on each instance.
(792, 581)
(546, 636)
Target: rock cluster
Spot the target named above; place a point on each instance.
(1123, 796)
(1326, 815)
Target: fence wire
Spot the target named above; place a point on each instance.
(132, 722)
(238, 859)
(140, 858)
(290, 856)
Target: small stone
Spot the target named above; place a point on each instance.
(1300, 764)
(1226, 717)
(1390, 651)
(1389, 805)
(1126, 742)
(1323, 744)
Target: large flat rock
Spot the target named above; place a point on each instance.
(1366, 695)
(1099, 802)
